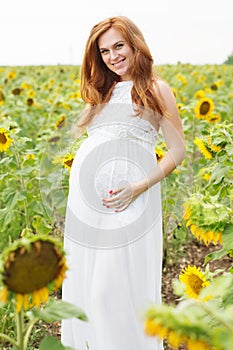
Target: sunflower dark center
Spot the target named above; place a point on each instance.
(3, 138)
(195, 283)
(205, 107)
(69, 162)
(214, 87)
(29, 270)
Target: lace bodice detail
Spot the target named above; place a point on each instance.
(122, 92)
(117, 119)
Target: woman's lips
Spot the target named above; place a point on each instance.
(119, 64)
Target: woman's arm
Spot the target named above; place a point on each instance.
(174, 138)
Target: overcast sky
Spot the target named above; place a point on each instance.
(54, 32)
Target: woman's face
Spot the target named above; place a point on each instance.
(116, 53)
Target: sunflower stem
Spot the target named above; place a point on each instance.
(25, 202)
(28, 331)
(20, 330)
(8, 339)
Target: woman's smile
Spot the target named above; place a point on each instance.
(116, 53)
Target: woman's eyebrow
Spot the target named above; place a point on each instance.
(116, 43)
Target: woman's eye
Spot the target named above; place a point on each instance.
(119, 46)
(103, 52)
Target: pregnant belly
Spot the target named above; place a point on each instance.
(107, 166)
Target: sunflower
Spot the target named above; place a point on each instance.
(197, 344)
(30, 156)
(175, 339)
(182, 79)
(159, 153)
(201, 79)
(66, 106)
(77, 81)
(2, 97)
(205, 173)
(206, 176)
(66, 160)
(214, 87)
(26, 86)
(213, 118)
(52, 81)
(75, 95)
(206, 236)
(174, 92)
(180, 107)
(61, 122)
(5, 140)
(11, 75)
(31, 267)
(215, 148)
(194, 281)
(199, 94)
(16, 91)
(201, 145)
(203, 233)
(30, 101)
(204, 108)
(31, 93)
(153, 328)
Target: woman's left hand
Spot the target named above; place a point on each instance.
(122, 197)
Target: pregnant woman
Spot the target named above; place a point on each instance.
(113, 228)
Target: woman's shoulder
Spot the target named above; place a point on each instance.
(162, 87)
(164, 91)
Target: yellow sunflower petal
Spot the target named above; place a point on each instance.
(197, 345)
(175, 339)
(3, 295)
(19, 302)
(153, 329)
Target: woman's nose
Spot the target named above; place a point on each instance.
(114, 55)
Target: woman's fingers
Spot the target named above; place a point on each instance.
(112, 202)
(120, 198)
(122, 208)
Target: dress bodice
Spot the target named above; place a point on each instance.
(117, 119)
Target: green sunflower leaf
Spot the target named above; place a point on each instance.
(227, 237)
(40, 225)
(53, 343)
(58, 310)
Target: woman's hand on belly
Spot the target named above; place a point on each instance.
(122, 196)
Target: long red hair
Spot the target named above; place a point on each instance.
(97, 81)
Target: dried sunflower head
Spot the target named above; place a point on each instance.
(30, 268)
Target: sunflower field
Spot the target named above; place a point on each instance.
(39, 109)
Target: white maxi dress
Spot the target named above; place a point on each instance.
(114, 259)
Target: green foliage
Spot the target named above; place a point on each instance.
(229, 59)
(34, 189)
(209, 321)
(57, 310)
(52, 343)
(39, 107)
